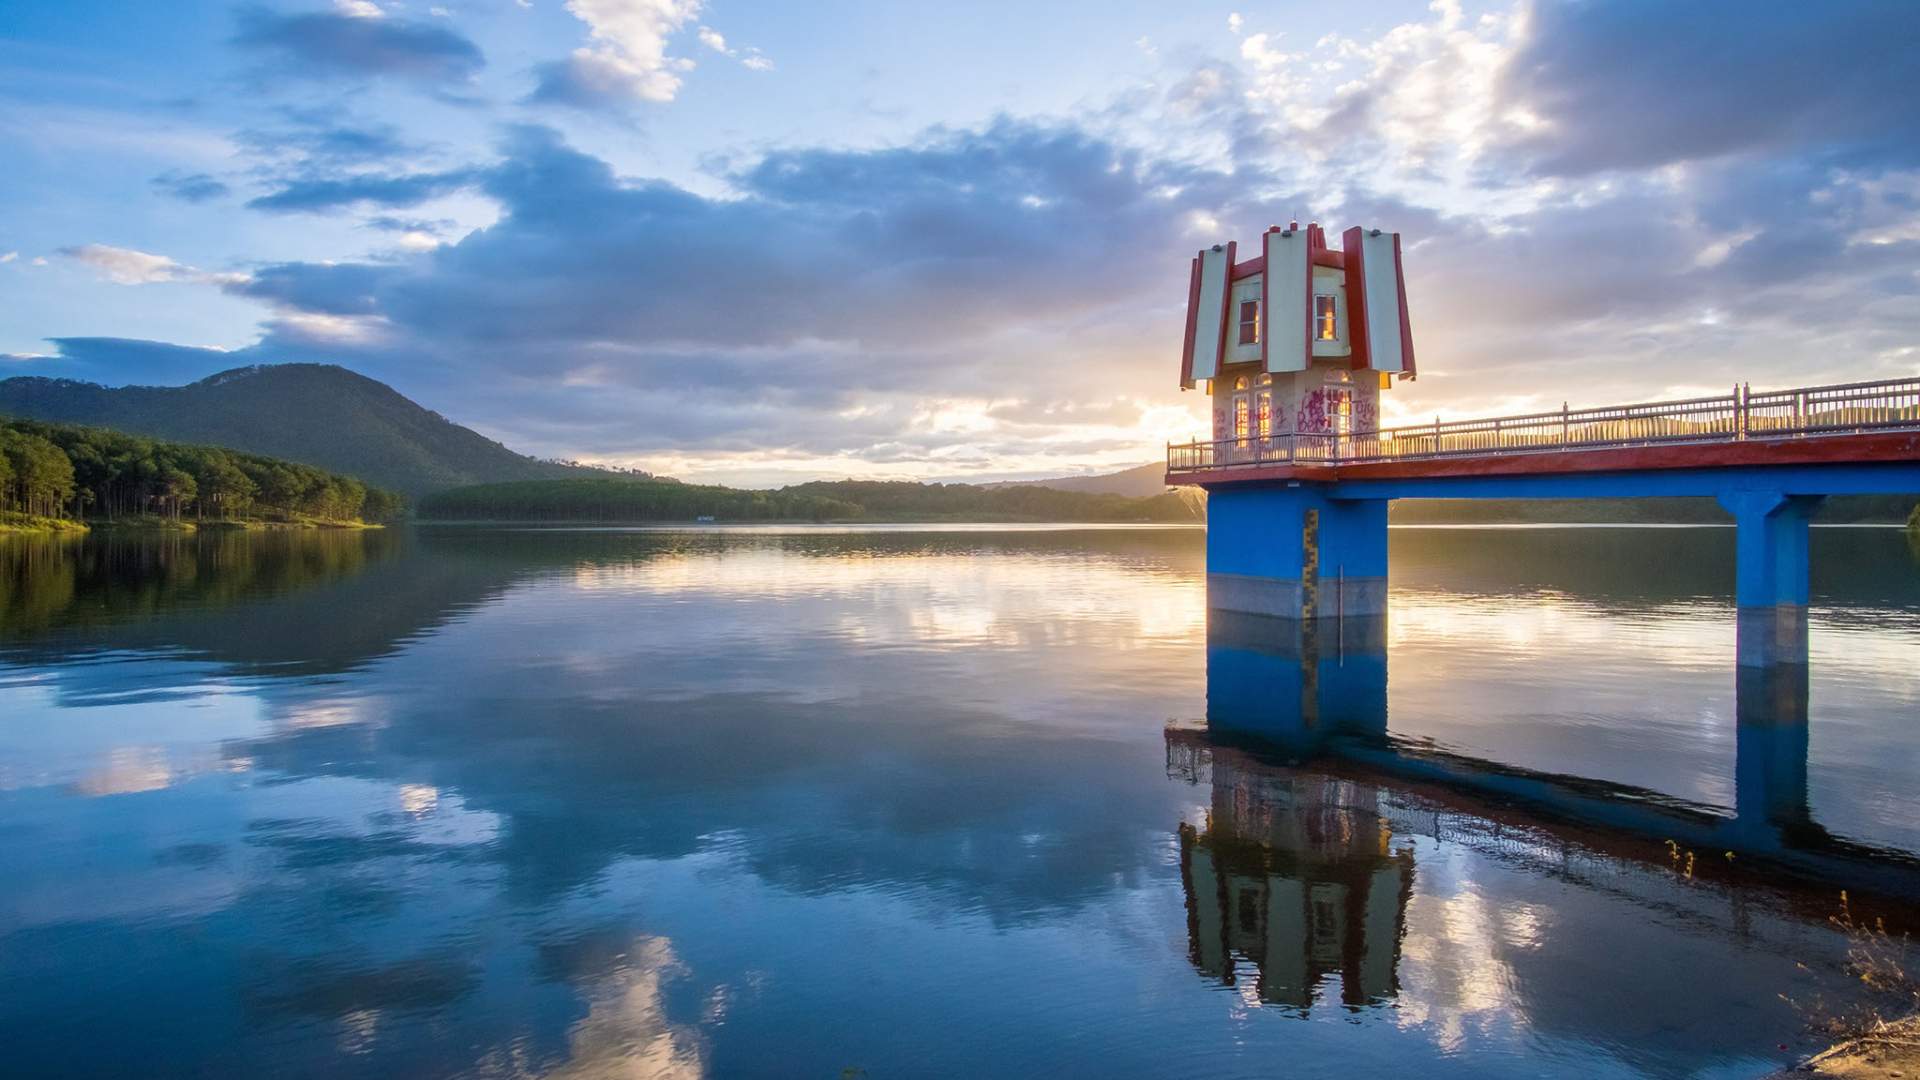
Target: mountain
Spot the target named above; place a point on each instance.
(315, 414)
(1141, 481)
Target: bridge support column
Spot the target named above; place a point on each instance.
(1293, 553)
(1770, 574)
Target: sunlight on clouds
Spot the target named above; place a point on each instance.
(126, 266)
(630, 50)
(339, 329)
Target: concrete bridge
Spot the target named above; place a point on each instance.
(1297, 523)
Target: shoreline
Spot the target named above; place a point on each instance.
(38, 526)
(1893, 1049)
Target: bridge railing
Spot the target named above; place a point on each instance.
(1809, 411)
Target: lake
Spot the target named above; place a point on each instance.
(982, 801)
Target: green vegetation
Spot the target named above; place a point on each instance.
(53, 474)
(1913, 520)
(623, 499)
(318, 414)
(905, 501)
(12, 521)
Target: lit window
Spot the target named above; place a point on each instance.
(1240, 418)
(1341, 401)
(1249, 322)
(1322, 317)
(1263, 412)
(1240, 383)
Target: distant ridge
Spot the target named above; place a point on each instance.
(1140, 482)
(317, 414)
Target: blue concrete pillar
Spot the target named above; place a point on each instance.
(1255, 550)
(1771, 574)
(1770, 546)
(1289, 552)
(1353, 558)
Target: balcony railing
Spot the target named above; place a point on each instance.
(1847, 408)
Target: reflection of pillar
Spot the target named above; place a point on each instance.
(1292, 553)
(1770, 706)
(1294, 683)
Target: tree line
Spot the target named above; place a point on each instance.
(618, 499)
(65, 470)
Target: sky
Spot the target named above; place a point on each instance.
(759, 243)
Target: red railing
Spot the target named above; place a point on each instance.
(1847, 408)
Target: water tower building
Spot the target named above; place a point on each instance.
(1298, 340)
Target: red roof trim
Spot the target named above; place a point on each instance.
(1306, 300)
(1226, 305)
(1266, 324)
(1193, 325)
(1406, 326)
(1356, 268)
(1332, 260)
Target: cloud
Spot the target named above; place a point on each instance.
(320, 195)
(1638, 85)
(330, 43)
(325, 137)
(9, 256)
(750, 58)
(1007, 296)
(816, 308)
(626, 61)
(394, 224)
(126, 266)
(190, 187)
(338, 289)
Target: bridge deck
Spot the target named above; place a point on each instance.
(1847, 424)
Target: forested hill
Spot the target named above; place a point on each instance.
(65, 471)
(317, 414)
(622, 499)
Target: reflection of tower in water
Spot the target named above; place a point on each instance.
(1295, 873)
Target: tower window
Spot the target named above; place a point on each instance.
(1323, 317)
(1249, 322)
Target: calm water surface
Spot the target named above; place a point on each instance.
(919, 803)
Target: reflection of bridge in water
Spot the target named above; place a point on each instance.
(1306, 852)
